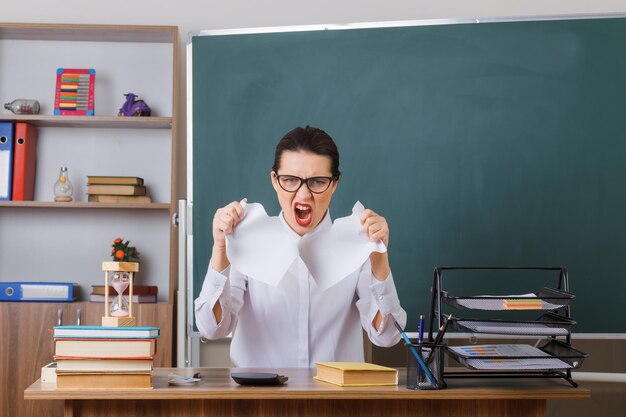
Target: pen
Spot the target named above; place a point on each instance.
(420, 361)
(420, 335)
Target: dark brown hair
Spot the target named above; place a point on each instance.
(309, 139)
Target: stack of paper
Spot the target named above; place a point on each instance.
(507, 357)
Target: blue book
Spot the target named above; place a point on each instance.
(38, 291)
(103, 332)
(6, 160)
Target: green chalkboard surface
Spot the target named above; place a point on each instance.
(482, 144)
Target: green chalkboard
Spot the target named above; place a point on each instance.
(482, 144)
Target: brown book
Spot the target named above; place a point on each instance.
(104, 365)
(137, 289)
(356, 374)
(97, 179)
(115, 189)
(104, 348)
(103, 380)
(137, 298)
(96, 198)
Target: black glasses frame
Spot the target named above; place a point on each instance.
(305, 181)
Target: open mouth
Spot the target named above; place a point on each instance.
(303, 214)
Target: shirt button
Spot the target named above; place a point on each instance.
(380, 297)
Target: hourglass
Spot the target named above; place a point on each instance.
(119, 281)
(119, 275)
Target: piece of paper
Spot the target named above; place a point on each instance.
(261, 248)
(333, 254)
(508, 356)
(539, 329)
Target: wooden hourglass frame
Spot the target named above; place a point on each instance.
(110, 268)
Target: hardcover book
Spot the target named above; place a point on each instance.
(137, 298)
(97, 179)
(86, 332)
(104, 365)
(355, 374)
(137, 289)
(103, 198)
(116, 189)
(103, 380)
(95, 348)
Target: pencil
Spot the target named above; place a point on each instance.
(442, 330)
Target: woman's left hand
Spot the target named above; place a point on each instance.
(375, 226)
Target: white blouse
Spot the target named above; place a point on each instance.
(295, 324)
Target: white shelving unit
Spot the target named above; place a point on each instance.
(45, 241)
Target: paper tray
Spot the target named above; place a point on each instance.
(544, 299)
(553, 355)
(548, 324)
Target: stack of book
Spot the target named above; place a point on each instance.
(141, 293)
(104, 357)
(116, 190)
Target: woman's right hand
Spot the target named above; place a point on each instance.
(225, 221)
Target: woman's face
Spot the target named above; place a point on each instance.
(303, 210)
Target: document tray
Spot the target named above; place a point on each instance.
(553, 355)
(548, 324)
(544, 299)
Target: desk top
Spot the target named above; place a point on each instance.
(216, 383)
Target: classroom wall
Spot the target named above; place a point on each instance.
(194, 15)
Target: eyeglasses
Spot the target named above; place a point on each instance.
(316, 185)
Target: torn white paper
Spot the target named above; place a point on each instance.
(333, 254)
(261, 248)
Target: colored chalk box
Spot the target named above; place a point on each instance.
(75, 91)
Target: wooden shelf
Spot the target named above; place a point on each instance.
(85, 205)
(88, 33)
(149, 148)
(116, 122)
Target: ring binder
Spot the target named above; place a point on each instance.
(38, 291)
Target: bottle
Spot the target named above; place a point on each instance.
(63, 187)
(23, 106)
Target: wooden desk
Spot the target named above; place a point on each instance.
(218, 395)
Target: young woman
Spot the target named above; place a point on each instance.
(297, 323)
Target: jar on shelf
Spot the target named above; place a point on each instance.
(23, 106)
(63, 187)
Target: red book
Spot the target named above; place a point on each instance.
(137, 290)
(24, 162)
